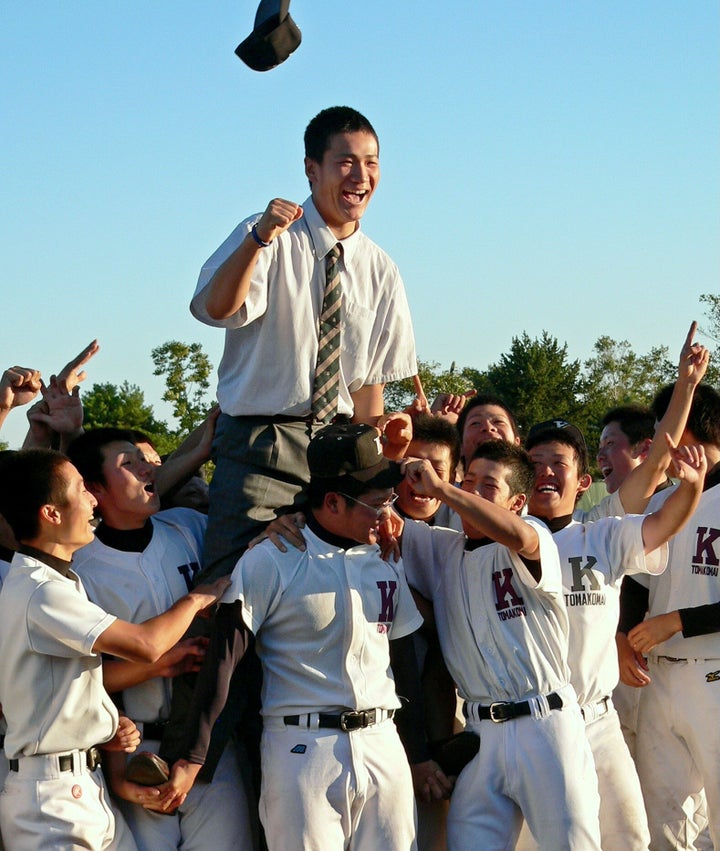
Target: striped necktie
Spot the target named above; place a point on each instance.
(327, 370)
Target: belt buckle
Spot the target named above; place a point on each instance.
(93, 757)
(498, 707)
(352, 720)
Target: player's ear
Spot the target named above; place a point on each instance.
(311, 170)
(584, 483)
(331, 503)
(641, 448)
(50, 514)
(518, 502)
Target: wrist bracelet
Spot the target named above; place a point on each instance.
(256, 236)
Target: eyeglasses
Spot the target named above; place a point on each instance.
(378, 509)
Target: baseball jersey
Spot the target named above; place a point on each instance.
(692, 577)
(51, 686)
(137, 586)
(594, 557)
(322, 619)
(504, 635)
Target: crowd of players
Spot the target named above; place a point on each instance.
(320, 704)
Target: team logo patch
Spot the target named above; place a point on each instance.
(76, 791)
(382, 627)
(299, 749)
(712, 677)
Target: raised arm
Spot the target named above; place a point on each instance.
(19, 385)
(641, 482)
(229, 286)
(496, 522)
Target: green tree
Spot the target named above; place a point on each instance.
(107, 404)
(435, 380)
(537, 381)
(712, 330)
(187, 370)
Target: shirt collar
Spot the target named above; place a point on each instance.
(323, 239)
(56, 563)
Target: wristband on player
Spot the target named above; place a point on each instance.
(256, 236)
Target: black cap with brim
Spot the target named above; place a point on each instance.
(273, 39)
(354, 483)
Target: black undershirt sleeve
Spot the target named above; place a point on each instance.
(229, 641)
(634, 600)
(409, 719)
(700, 620)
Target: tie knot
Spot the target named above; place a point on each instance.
(334, 253)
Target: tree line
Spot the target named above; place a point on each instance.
(536, 377)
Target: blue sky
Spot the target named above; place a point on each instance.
(546, 166)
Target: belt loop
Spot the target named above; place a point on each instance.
(79, 759)
(540, 708)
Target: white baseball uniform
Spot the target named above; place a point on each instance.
(678, 747)
(504, 636)
(594, 557)
(56, 708)
(136, 586)
(4, 567)
(322, 620)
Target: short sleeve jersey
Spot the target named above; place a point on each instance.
(51, 685)
(138, 586)
(504, 636)
(693, 575)
(322, 619)
(594, 557)
(281, 313)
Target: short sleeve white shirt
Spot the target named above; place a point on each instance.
(271, 343)
(51, 685)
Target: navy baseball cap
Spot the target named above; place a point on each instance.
(345, 451)
(274, 37)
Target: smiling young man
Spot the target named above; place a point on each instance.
(138, 565)
(52, 637)
(334, 773)
(594, 557)
(267, 287)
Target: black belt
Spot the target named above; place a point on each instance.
(153, 730)
(506, 711)
(93, 759)
(346, 721)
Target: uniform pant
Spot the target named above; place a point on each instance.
(678, 751)
(214, 815)
(538, 767)
(261, 469)
(326, 790)
(45, 809)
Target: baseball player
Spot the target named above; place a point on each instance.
(138, 565)
(325, 619)
(594, 557)
(678, 745)
(51, 638)
(503, 628)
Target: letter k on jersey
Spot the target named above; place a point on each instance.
(387, 597)
(503, 589)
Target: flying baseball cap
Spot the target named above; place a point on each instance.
(351, 454)
(274, 37)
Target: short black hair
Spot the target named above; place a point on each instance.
(330, 122)
(86, 451)
(636, 422)
(567, 438)
(486, 399)
(704, 418)
(521, 478)
(29, 479)
(430, 429)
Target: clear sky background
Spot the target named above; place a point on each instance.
(547, 165)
